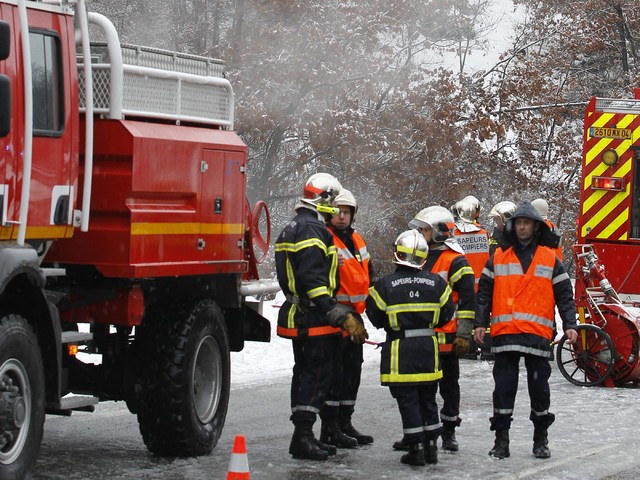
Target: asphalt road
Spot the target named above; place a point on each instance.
(596, 436)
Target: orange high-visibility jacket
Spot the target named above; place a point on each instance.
(523, 302)
(354, 272)
(444, 267)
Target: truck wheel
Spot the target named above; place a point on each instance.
(184, 399)
(21, 397)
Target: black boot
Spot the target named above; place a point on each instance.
(431, 451)
(330, 433)
(330, 449)
(400, 445)
(415, 455)
(501, 447)
(348, 429)
(540, 442)
(303, 444)
(449, 441)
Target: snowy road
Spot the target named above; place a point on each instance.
(596, 436)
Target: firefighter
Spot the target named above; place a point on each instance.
(447, 259)
(356, 273)
(500, 213)
(409, 303)
(306, 265)
(472, 236)
(541, 205)
(519, 289)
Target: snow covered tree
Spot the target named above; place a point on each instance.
(358, 89)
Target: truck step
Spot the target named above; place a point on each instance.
(54, 272)
(76, 402)
(83, 403)
(76, 337)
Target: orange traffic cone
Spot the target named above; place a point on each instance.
(239, 464)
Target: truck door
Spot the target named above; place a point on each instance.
(7, 122)
(54, 133)
(222, 200)
(55, 138)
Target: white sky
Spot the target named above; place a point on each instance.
(503, 15)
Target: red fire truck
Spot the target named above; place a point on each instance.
(609, 217)
(125, 234)
(607, 252)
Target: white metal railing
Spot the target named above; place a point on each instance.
(88, 95)
(187, 88)
(23, 215)
(259, 287)
(144, 82)
(618, 105)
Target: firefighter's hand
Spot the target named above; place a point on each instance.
(572, 335)
(355, 329)
(460, 346)
(340, 260)
(337, 314)
(478, 335)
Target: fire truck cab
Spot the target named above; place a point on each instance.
(125, 233)
(609, 217)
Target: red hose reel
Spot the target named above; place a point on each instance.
(607, 351)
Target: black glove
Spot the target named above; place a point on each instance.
(461, 346)
(338, 314)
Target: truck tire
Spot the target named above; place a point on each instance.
(184, 396)
(21, 397)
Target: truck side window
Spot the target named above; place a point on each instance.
(48, 110)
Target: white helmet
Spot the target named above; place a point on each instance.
(454, 211)
(345, 197)
(410, 249)
(504, 210)
(468, 209)
(439, 219)
(541, 205)
(320, 192)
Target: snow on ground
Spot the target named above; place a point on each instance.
(260, 363)
(595, 435)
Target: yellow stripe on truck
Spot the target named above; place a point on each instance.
(186, 228)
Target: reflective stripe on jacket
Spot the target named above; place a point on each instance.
(408, 304)
(523, 302)
(309, 332)
(354, 272)
(454, 268)
(307, 269)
